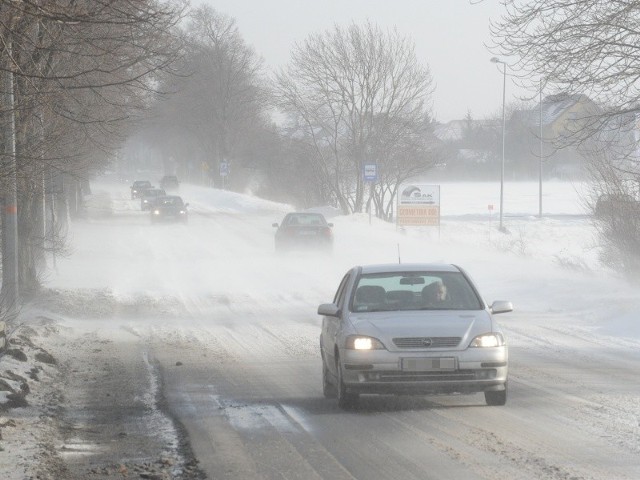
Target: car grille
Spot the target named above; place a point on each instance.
(427, 342)
(391, 377)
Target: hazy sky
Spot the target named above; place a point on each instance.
(450, 37)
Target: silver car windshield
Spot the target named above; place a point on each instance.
(414, 291)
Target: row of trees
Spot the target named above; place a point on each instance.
(76, 75)
(351, 96)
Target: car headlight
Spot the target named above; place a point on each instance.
(156, 212)
(182, 212)
(488, 340)
(360, 342)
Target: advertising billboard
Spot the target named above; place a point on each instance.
(419, 205)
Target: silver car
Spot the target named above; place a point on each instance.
(411, 329)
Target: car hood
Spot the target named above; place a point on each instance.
(386, 326)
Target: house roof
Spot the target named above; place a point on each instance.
(450, 131)
(550, 109)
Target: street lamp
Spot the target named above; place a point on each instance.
(540, 162)
(504, 88)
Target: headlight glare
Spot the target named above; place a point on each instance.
(488, 340)
(361, 342)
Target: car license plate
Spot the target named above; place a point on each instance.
(426, 364)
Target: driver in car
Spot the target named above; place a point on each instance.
(435, 294)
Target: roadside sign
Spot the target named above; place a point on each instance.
(490, 207)
(419, 205)
(370, 172)
(224, 169)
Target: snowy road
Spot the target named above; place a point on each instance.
(249, 394)
(232, 334)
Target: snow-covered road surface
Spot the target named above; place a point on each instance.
(215, 340)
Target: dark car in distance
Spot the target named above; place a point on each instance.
(138, 188)
(300, 230)
(149, 196)
(169, 183)
(169, 208)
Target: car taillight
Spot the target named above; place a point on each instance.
(328, 232)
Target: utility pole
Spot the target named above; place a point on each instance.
(540, 163)
(504, 123)
(10, 199)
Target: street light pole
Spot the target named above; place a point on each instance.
(540, 166)
(504, 89)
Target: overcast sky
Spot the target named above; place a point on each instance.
(450, 37)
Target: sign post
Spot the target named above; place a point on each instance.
(370, 175)
(490, 208)
(224, 171)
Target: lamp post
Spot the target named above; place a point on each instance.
(540, 164)
(504, 88)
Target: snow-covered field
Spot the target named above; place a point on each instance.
(121, 265)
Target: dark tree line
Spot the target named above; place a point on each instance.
(216, 110)
(79, 74)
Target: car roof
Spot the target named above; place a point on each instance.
(408, 267)
(304, 214)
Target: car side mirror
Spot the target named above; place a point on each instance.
(274, 225)
(329, 310)
(500, 306)
(330, 224)
(186, 205)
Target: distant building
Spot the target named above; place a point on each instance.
(547, 131)
(552, 129)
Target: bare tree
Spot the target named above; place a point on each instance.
(589, 47)
(352, 94)
(592, 48)
(219, 101)
(616, 213)
(405, 151)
